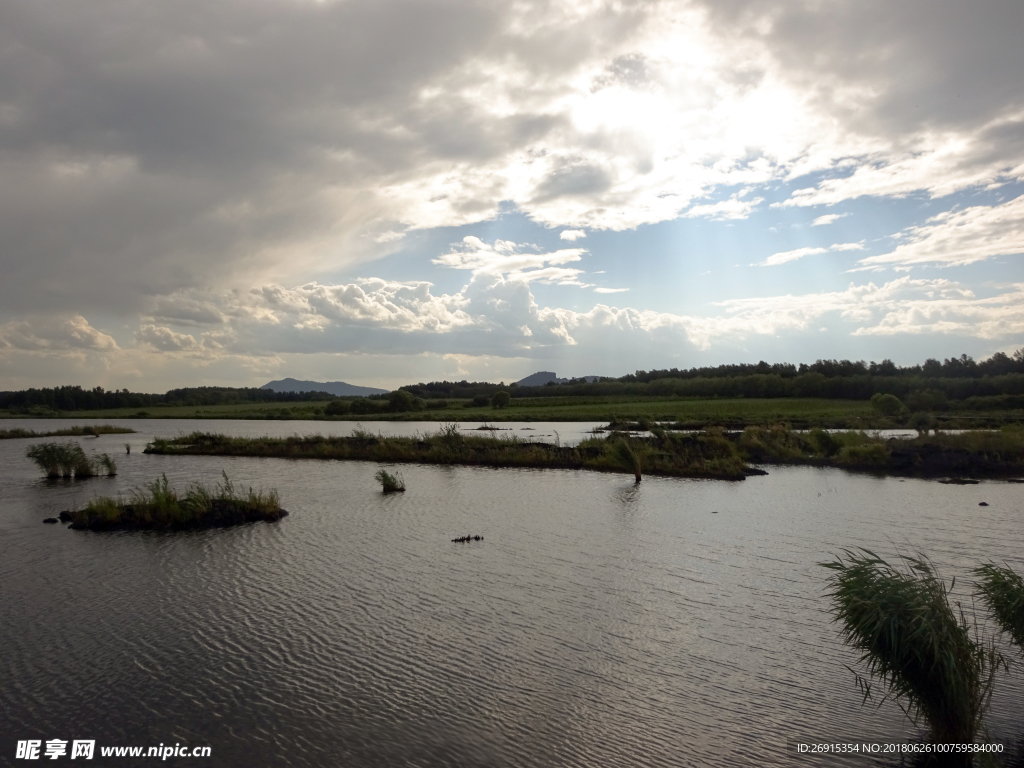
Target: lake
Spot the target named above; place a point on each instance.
(678, 622)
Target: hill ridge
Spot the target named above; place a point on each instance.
(338, 388)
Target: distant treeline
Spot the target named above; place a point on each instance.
(927, 387)
(963, 367)
(79, 399)
(937, 391)
(457, 389)
(995, 383)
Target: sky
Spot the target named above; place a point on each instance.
(383, 192)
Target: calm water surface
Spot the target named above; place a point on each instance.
(598, 624)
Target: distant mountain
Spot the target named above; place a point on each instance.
(339, 388)
(540, 378)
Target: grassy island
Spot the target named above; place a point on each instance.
(712, 453)
(89, 431)
(158, 506)
(710, 456)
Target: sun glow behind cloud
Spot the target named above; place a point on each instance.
(283, 148)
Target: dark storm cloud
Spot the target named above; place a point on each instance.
(144, 147)
(151, 147)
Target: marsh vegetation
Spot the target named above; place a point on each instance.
(711, 456)
(713, 453)
(93, 431)
(67, 460)
(930, 658)
(158, 506)
(390, 483)
(1002, 589)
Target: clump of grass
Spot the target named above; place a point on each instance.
(824, 443)
(1003, 590)
(630, 454)
(69, 460)
(450, 436)
(84, 467)
(60, 459)
(390, 483)
(157, 505)
(362, 434)
(869, 455)
(108, 464)
(931, 661)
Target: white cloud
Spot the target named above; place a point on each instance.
(165, 340)
(55, 334)
(733, 208)
(787, 256)
(959, 237)
(497, 319)
(405, 307)
(507, 258)
(901, 306)
(610, 290)
(497, 316)
(828, 218)
(572, 234)
(936, 163)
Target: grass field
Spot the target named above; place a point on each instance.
(686, 413)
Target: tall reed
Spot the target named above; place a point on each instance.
(931, 661)
(630, 453)
(68, 459)
(60, 459)
(1003, 590)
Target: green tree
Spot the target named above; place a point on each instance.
(337, 407)
(887, 405)
(363, 405)
(501, 399)
(402, 400)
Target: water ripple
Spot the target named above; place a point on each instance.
(598, 623)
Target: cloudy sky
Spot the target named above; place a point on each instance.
(389, 191)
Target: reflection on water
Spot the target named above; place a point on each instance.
(675, 622)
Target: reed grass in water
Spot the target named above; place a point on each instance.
(630, 454)
(69, 460)
(390, 483)
(930, 659)
(1003, 591)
